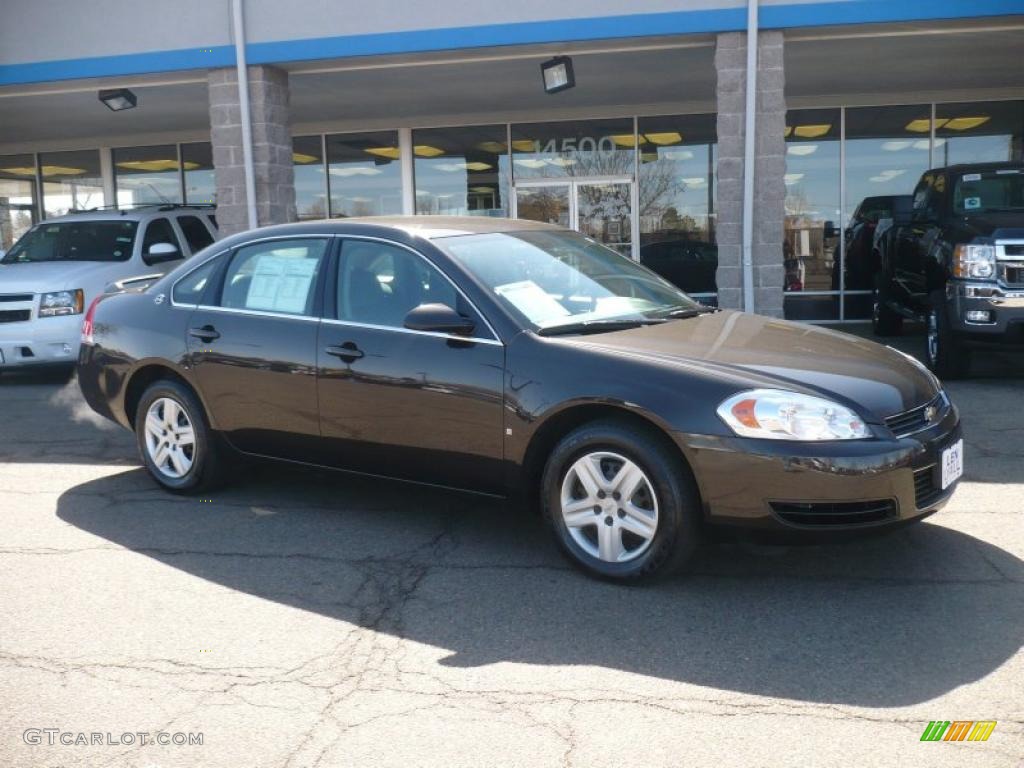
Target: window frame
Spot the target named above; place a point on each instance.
(330, 309)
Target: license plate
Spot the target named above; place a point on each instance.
(952, 463)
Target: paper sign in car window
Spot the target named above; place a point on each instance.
(972, 177)
(280, 284)
(532, 300)
(971, 203)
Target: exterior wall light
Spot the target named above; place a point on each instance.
(118, 99)
(558, 74)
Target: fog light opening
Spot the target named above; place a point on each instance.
(978, 316)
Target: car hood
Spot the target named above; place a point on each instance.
(45, 276)
(996, 224)
(784, 355)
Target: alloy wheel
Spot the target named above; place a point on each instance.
(609, 507)
(170, 438)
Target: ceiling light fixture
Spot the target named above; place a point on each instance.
(118, 99)
(425, 150)
(966, 123)
(558, 74)
(665, 138)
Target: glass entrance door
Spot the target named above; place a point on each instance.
(601, 209)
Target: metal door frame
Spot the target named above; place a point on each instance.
(573, 184)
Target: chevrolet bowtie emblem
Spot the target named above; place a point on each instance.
(930, 413)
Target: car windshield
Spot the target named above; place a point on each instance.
(998, 190)
(75, 241)
(557, 278)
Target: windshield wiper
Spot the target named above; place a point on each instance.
(596, 326)
(681, 313)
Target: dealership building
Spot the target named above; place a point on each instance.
(658, 148)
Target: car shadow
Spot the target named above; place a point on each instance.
(887, 621)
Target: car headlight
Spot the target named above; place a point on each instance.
(61, 303)
(974, 261)
(775, 414)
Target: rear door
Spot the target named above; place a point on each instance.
(393, 401)
(253, 346)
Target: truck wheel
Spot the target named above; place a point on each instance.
(884, 322)
(946, 355)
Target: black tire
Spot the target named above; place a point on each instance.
(884, 321)
(207, 459)
(945, 354)
(677, 532)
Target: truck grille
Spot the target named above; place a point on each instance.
(833, 513)
(13, 297)
(916, 419)
(14, 315)
(1014, 249)
(1013, 274)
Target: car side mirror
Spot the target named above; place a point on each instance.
(438, 318)
(161, 252)
(830, 230)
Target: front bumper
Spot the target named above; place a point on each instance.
(40, 341)
(1005, 305)
(836, 486)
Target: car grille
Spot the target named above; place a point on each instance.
(834, 513)
(12, 297)
(916, 419)
(1013, 249)
(926, 492)
(14, 315)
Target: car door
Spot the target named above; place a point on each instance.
(411, 404)
(252, 346)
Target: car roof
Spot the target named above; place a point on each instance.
(427, 227)
(977, 167)
(128, 214)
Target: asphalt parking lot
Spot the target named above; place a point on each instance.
(300, 618)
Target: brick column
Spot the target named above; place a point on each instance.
(272, 147)
(769, 170)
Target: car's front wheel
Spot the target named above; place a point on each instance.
(947, 357)
(175, 442)
(622, 505)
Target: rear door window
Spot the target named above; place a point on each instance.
(275, 276)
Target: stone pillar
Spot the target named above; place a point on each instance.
(769, 170)
(272, 147)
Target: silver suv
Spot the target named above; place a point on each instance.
(55, 270)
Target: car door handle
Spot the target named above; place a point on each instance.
(206, 333)
(347, 352)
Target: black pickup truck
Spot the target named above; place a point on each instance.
(953, 256)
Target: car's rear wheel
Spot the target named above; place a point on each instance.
(946, 356)
(621, 505)
(884, 321)
(175, 441)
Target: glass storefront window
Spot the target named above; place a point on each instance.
(980, 132)
(810, 250)
(144, 175)
(364, 174)
(573, 148)
(886, 153)
(461, 171)
(200, 185)
(310, 179)
(71, 180)
(677, 200)
(17, 197)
